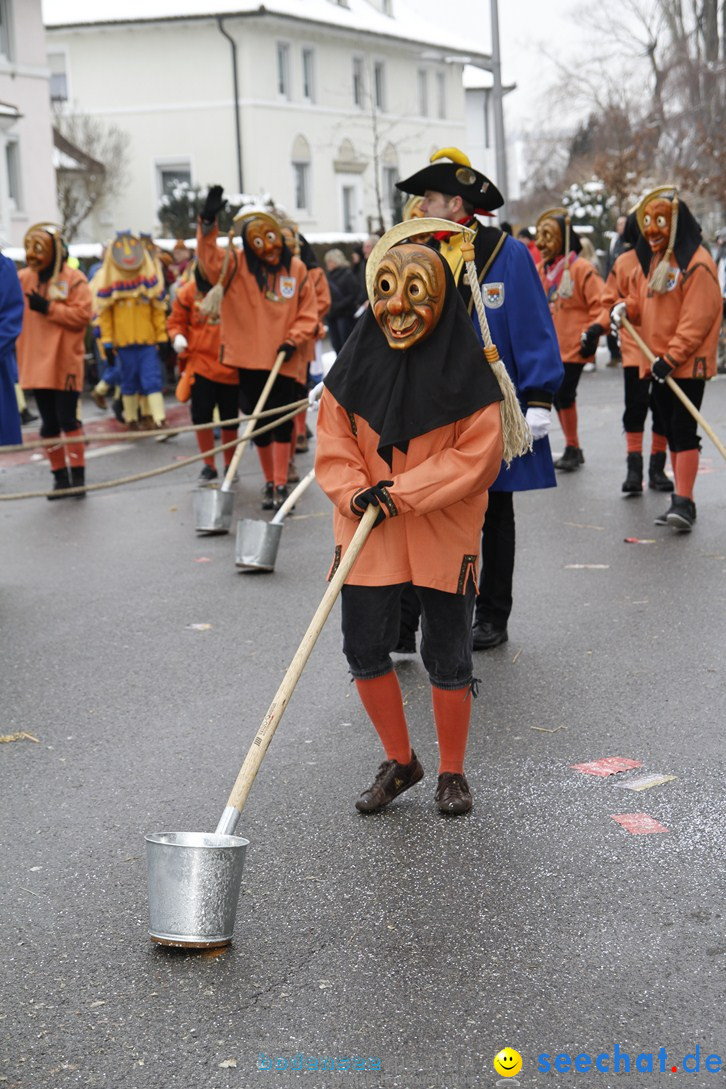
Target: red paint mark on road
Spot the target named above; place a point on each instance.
(638, 824)
(608, 765)
(203, 559)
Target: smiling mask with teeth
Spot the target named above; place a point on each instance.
(408, 294)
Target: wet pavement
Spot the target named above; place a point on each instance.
(403, 949)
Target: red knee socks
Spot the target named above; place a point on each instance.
(228, 435)
(685, 468)
(568, 423)
(382, 699)
(280, 462)
(264, 453)
(205, 442)
(634, 442)
(452, 713)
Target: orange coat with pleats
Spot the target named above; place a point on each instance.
(439, 489)
(51, 348)
(202, 334)
(616, 288)
(574, 315)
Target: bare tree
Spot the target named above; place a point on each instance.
(92, 167)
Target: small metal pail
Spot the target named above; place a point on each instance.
(194, 884)
(213, 510)
(257, 544)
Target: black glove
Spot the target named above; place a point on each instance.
(288, 349)
(661, 368)
(38, 302)
(110, 354)
(378, 495)
(164, 349)
(213, 204)
(589, 340)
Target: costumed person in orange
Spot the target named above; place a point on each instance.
(677, 305)
(268, 306)
(195, 337)
(637, 390)
(574, 292)
(300, 247)
(132, 319)
(51, 349)
(410, 421)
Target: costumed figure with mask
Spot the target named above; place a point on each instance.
(300, 247)
(410, 421)
(675, 300)
(130, 296)
(51, 349)
(268, 306)
(522, 329)
(574, 293)
(195, 337)
(637, 390)
(12, 307)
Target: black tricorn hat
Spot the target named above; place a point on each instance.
(456, 178)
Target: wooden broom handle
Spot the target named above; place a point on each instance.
(686, 401)
(275, 711)
(252, 424)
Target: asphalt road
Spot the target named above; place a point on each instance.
(405, 940)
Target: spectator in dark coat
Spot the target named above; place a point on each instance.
(343, 296)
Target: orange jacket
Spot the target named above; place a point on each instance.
(439, 488)
(683, 324)
(50, 348)
(574, 315)
(616, 288)
(202, 334)
(254, 325)
(322, 299)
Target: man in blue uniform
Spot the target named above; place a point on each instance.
(521, 327)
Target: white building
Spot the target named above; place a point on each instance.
(27, 178)
(322, 104)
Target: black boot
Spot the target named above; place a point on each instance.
(657, 480)
(78, 480)
(61, 484)
(682, 514)
(572, 458)
(633, 483)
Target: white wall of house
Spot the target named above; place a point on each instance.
(27, 177)
(169, 85)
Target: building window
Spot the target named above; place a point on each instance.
(423, 92)
(58, 77)
(12, 162)
(379, 84)
(390, 177)
(441, 94)
(283, 69)
(302, 186)
(169, 176)
(387, 7)
(349, 208)
(6, 36)
(308, 74)
(358, 90)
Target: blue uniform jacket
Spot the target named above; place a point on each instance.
(12, 308)
(521, 326)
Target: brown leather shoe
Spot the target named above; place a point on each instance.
(453, 796)
(391, 780)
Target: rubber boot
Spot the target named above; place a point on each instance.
(682, 514)
(657, 480)
(633, 483)
(78, 480)
(62, 482)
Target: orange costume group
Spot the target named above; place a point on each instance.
(50, 349)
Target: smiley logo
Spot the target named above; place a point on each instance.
(508, 1062)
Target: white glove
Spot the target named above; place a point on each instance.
(314, 396)
(539, 420)
(180, 344)
(618, 312)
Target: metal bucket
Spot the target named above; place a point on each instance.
(213, 510)
(257, 544)
(194, 883)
